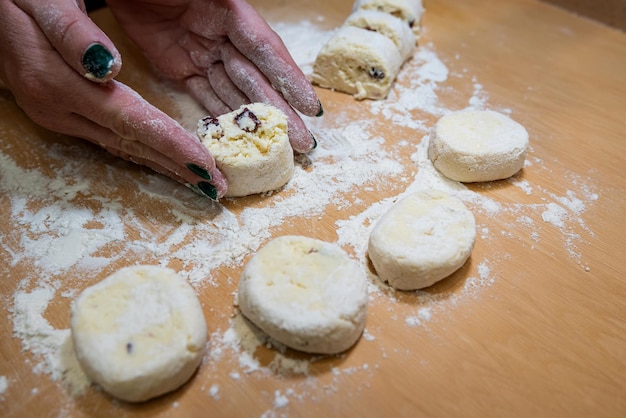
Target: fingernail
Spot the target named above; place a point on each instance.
(97, 61)
(199, 171)
(314, 141)
(321, 112)
(208, 190)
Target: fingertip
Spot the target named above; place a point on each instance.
(302, 141)
(213, 183)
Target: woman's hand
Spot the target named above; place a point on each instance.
(225, 53)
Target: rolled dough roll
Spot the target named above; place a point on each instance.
(251, 147)
(423, 238)
(139, 333)
(477, 145)
(305, 293)
(410, 11)
(359, 62)
(385, 24)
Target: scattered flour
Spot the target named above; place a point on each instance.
(4, 384)
(67, 232)
(214, 391)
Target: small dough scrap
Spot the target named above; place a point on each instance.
(390, 26)
(424, 237)
(359, 62)
(477, 145)
(139, 333)
(306, 294)
(410, 11)
(251, 148)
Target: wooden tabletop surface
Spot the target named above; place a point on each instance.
(533, 325)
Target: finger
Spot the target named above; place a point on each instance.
(139, 153)
(146, 133)
(267, 51)
(224, 86)
(83, 46)
(244, 75)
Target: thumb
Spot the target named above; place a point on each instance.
(77, 38)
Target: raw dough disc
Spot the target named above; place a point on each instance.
(477, 145)
(423, 238)
(251, 147)
(305, 293)
(139, 333)
(358, 61)
(410, 11)
(385, 24)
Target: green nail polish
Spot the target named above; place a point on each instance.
(97, 61)
(208, 190)
(321, 112)
(314, 141)
(197, 170)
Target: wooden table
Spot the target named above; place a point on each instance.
(533, 325)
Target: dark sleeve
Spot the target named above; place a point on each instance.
(94, 4)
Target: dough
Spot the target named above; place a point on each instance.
(385, 24)
(423, 238)
(410, 11)
(251, 147)
(477, 145)
(359, 62)
(305, 293)
(139, 333)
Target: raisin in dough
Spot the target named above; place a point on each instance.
(385, 24)
(477, 145)
(358, 61)
(410, 11)
(251, 148)
(139, 333)
(306, 294)
(423, 238)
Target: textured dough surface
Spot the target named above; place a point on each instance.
(306, 294)
(424, 237)
(477, 145)
(251, 147)
(410, 11)
(388, 25)
(359, 62)
(139, 333)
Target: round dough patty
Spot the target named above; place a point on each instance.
(139, 333)
(423, 238)
(251, 148)
(306, 294)
(477, 145)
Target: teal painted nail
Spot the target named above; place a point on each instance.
(97, 61)
(208, 190)
(321, 112)
(197, 170)
(314, 141)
